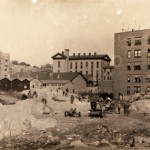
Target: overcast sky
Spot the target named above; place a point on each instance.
(34, 30)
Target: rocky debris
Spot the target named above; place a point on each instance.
(78, 143)
(22, 116)
(141, 106)
(30, 141)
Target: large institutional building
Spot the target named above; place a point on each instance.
(87, 64)
(4, 64)
(132, 62)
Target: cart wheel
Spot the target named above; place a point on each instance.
(65, 114)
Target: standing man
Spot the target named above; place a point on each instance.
(72, 99)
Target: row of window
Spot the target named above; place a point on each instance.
(137, 66)
(81, 65)
(53, 84)
(110, 70)
(137, 79)
(137, 89)
(137, 53)
(86, 72)
(137, 41)
(107, 78)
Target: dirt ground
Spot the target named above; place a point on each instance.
(112, 132)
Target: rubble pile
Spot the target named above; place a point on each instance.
(15, 119)
(142, 106)
(30, 140)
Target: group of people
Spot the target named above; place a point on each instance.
(110, 105)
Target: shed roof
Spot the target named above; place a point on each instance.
(55, 81)
(66, 76)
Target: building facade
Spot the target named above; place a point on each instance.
(87, 64)
(106, 85)
(16, 68)
(67, 81)
(4, 64)
(132, 62)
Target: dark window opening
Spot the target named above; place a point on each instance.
(129, 42)
(128, 90)
(129, 66)
(137, 41)
(137, 66)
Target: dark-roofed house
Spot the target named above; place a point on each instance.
(5, 84)
(17, 85)
(86, 64)
(30, 83)
(67, 80)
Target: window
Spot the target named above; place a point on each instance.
(71, 65)
(137, 41)
(129, 54)
(81, 65)
(148, 40)
(97, 64)
(110, 78)
(97, 73)
(86, 64)
(129, 42)
(104, 78)
(91, 64)
(148, 78)
(137, 53)
(137, 89)
(148, 53)
(148, 89)
(86, 72)
(148, 65)
(104, 70)
(137, 66)
(128, 90)
(107, 73)
(58, 70)
(59, 64)
(107, 77)
(92, 73)
(129, 66)
(76, 65)
(137, 78)
(128, 79)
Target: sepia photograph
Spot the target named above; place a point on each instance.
(74, 75)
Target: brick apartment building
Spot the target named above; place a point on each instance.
(132, 62)
(4, 64)
(87, 64)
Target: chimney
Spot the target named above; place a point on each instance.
(67, 53)
(63, 52)
(84, 54)
(90, 54)
(95, 53)
(78, 54)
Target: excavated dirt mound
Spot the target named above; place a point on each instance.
(15, 119)
(141, 106)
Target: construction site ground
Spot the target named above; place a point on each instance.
(112, 132)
